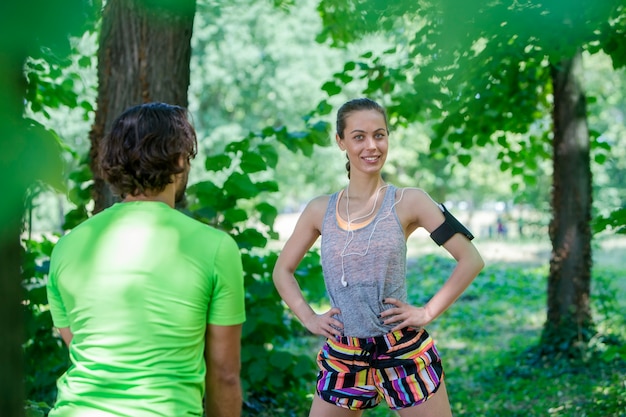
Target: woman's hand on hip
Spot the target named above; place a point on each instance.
(404, 315)
(324, 324)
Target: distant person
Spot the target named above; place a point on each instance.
(501, 228)
(377, 348)
(149, 301)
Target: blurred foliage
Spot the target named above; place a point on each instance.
(29, 151)
(45, 353)
(264, 150)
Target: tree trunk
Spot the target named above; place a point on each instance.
(569, 315)
(13, 159)
(11, 313)
(143, 56)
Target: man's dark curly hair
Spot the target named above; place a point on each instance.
(143, 150)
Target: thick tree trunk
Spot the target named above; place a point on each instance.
(143, 56)
(569, 315)
(13, 158)
(11, 313)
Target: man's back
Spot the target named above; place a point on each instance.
(137, 284)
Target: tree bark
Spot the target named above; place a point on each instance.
(11, 312)
(14, 182)
(143, 56)
(569, 315)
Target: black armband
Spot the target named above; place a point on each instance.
(449, 228)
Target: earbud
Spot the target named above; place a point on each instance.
(343, 281)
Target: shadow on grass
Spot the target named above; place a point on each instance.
(527, 384)
(494, 364)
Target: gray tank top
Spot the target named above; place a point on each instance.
(374, 267)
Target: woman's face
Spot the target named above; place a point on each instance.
(365, 140)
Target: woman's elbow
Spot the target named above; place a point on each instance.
(479, 263)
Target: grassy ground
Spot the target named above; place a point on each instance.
(489, 343)
(488, 339)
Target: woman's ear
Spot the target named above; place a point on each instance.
(339, 142)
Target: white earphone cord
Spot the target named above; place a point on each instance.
(350, 234)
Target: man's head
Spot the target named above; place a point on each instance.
(149, 146)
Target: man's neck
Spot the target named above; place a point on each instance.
(166, 196)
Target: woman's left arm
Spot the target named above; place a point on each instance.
(469, 264)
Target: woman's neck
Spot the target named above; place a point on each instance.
(364, 189)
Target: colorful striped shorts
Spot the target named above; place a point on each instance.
(403, 367)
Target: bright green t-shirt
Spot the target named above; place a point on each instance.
(137, 285)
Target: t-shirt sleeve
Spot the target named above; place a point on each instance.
(57, 308)
(227, 304)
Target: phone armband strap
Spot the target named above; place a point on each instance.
(449, 228)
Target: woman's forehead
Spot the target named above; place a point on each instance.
(369, 116)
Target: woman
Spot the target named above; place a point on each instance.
(376, 347)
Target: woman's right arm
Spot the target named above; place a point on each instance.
(304, 235)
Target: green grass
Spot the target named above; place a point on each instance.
(499, 372)
(489, 338)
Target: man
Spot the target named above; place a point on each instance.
(148, 300)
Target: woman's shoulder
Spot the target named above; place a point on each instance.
(416, 207)
(314, 212)
(319, 203)
(414, 195)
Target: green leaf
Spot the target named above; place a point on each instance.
(615, 221)
(268, 186)
(235, 215)
(75, 217)
(323, 108)
(250, 238)
(38, 295)
(268, 131)
(257, 371)
(84, 62)
(211, 198)
(234, 147)
(344, 78)
(217, 162)
(600, 158)
(252, 162)
(281, 360)
(331, 88)
(82, 174)
(267, 213)
(269, 153)
(464, 159)
(319, 133)
(530, 179)
(240, 186)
